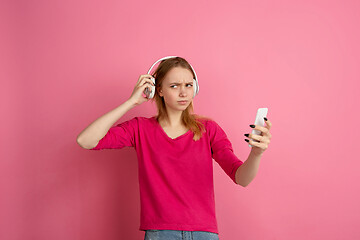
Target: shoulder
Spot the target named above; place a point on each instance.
(138, 120)
(203, 119)
(213, 128)
(208, 122)
(135, 121)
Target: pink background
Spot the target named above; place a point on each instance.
(66, 63)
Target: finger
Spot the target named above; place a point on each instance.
(144, 76)
(146, 80)
(263, 146)
(146, 85)
(262, 129)
(255, 136)
(261, 139)
(255, 144)
(268, 124)
(148, 76)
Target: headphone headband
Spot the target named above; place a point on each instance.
(196, 83)
(168, 58)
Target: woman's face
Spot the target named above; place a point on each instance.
(177, 86)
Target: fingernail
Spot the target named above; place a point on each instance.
(246, 140)
(247, 135)
(252, 126)
(265, 118)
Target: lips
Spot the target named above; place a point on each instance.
(182, 102)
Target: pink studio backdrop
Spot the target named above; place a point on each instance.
(66, 63)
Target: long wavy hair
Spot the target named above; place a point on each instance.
(188, 118)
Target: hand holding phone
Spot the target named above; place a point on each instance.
(259, 120)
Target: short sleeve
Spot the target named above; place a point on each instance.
(222, 151)
(120, 136)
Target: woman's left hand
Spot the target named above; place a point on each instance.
(264, 138)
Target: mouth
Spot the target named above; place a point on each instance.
(182, 102)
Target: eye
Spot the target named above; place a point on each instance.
(186, 84)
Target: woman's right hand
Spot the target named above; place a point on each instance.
(138, 96)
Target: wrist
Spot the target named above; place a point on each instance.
(131, 103)
(256, 151)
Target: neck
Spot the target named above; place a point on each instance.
(174, 119)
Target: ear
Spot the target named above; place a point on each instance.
(160, 92)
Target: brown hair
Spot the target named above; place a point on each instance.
(188, 118)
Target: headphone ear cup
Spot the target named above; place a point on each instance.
(152, 88)
(196, 87)
(150, 94)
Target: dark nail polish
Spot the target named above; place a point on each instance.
(247, 140)
(246, 135)
(265, 118)
(252, 126)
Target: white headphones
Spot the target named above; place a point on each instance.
(151, 93)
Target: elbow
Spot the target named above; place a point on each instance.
(238, 179)
(85, 146)
(79, 143)
(242, 184)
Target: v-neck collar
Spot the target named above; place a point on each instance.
(165, 134)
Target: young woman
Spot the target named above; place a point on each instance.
(175, 149)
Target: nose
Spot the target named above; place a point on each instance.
(183, 91)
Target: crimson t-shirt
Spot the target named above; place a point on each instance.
(175, 175)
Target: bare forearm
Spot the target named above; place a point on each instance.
(93, 133)
(248, 170)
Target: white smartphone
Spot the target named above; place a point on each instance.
(259, 120)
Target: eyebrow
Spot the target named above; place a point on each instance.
(177, 83)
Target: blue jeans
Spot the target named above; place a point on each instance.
(179, 235)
